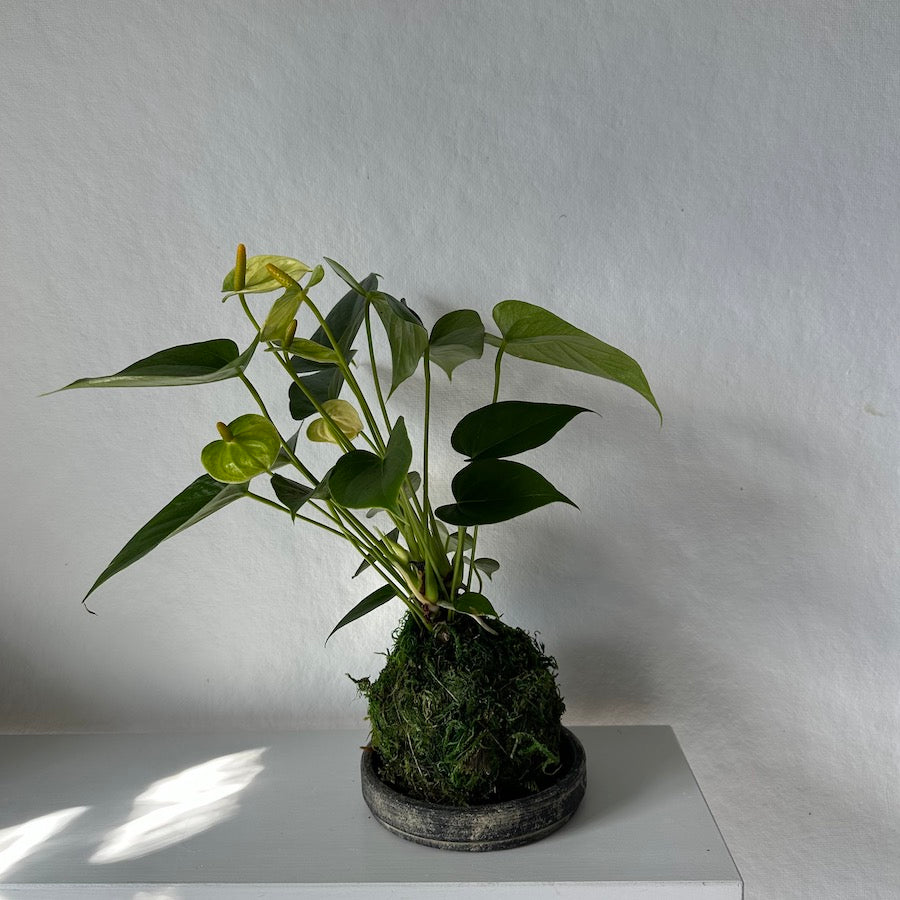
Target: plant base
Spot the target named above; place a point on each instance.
(490, 826)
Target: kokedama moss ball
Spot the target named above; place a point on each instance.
(460, 716)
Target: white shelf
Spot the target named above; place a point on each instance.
(190, 817)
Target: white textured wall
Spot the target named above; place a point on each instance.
(710, 186)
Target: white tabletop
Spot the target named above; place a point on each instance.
(184, 817)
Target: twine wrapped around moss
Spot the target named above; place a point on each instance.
(461, 717)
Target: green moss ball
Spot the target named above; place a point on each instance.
(460, 716)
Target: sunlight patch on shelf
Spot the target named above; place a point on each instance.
(180, 806)
(22, 840)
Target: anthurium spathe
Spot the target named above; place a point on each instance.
(342, 418)
(247, 447)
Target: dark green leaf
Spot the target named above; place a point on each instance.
(531, 332)
(510, 427)
(452, 542)
(456, 337)
(345, 276)
(393, 534)
(487, 565)
(324, 385)
(322, 491)
(472, 604)
(200, 363)
(197, 501)
(344, 321)
(361, 479)
(410, 486)
(494, 490)
(283, 459)
(406, 336)
(368, 604)
(291, 493)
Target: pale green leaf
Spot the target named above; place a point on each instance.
(258, 279)
(343, 414)
(283, 312)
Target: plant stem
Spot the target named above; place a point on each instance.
(247, 311)
(375, 378)
(278, 506)
(457, 561)
(475, 529)
(472, 558)
(497, 375)
(348, 375)
(284, 444)
(425, 503)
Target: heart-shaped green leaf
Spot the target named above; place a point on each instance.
(200, 363)
(452, 542)
(200, 499)
(456, 338)
(487, 565)
(472, 604)
(410, 486)
(292, 494)
(494, 490)
(324, 385)
(258, 279)
(317, 274)
(343, 415)
(248, 448)
(531, 332)
(361, 479)
(510, 427)
(406, 335)
(368, 604)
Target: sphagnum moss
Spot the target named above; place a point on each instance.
(460, 716)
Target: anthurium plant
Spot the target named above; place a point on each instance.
(426, 556)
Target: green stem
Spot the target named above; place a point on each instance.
(497, 375)
(267, 502)
(425, 502)
(457, 560)
(475, 529)
(284, 444)
(472, 558)
(344, 441)
(375, 378)
(352, 383)
(247, 311)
